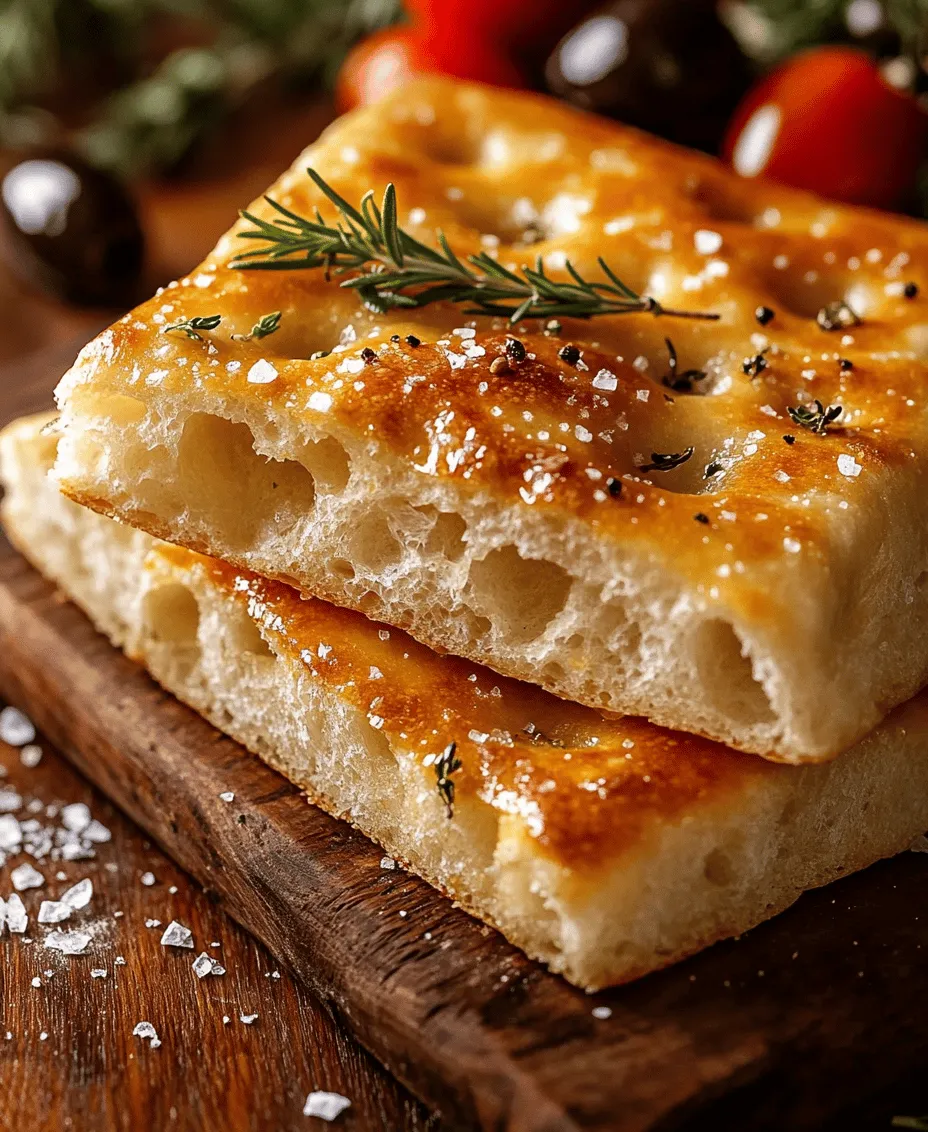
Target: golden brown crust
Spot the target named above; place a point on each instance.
(789, 524)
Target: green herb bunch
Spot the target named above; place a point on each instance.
(154, 110)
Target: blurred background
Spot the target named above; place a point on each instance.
(130, 130)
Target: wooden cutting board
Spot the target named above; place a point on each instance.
(814, 1021)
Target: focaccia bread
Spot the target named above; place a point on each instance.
(768, 590)
(605, 847)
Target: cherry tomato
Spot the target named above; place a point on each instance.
(521, 24)
(390, 57)
(826, 120)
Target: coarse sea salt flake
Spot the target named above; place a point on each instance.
(16, 728)
(848, 466)
(176, 935)
(30, 756)
(53, 912)
(247, 1018)
(17, 919)
(25, 876)
(706, 241)
(79, 895)
(68, 943)
(76, 817)
(387, 863)
(321, 402)
(148, 879)
(262, 372)
(326, 1106)
(602, 1012)
(98, 972)
(605, 379)
(10, 833)
(9, 801)
(147, 1030)
(205, 965)
(227, 796)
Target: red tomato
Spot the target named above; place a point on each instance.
(522, 24)
(827, 121)
(390, 57)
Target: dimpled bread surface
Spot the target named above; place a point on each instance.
(605, 847)
(767, 592)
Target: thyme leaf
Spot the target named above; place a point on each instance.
(266, 324)
(680, 382)
(666, 461)
(815, 417)
(446, 765)
(192, 326)
(390, 269)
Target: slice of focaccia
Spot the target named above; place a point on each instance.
(605, 847)
(716, 525)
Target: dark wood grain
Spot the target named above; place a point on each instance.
(207, 1074)
(808, 1020)
(814, 1021)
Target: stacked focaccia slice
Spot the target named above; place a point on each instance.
(733, 545)
(720, 531)
(606, 847)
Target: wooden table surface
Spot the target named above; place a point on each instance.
(68, 1058)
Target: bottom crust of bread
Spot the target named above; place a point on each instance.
(604, 847)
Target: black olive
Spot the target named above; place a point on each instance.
(668, 66)
(72, 229)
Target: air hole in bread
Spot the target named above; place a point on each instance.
(341, 568)
(245, 636)
(171, 617)
(372, 545)
(717, 868)
(172, 614)
(328, 463)
(725, 671)
(227, 487)
(521, 596)
(447, 536)
(118, 408)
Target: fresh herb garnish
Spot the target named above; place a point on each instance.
(837, 316)
(666, 461)
(445, 765)
(192, 326)
(391, 269)
(815, 417)
(266, 324)
(755, 365)
(680, 382)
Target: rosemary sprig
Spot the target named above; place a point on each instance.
(815, 417)
(266, 324)
(192, 326)
(445, 765)
(391, 269)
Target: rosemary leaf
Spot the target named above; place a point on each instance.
(389, 269)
